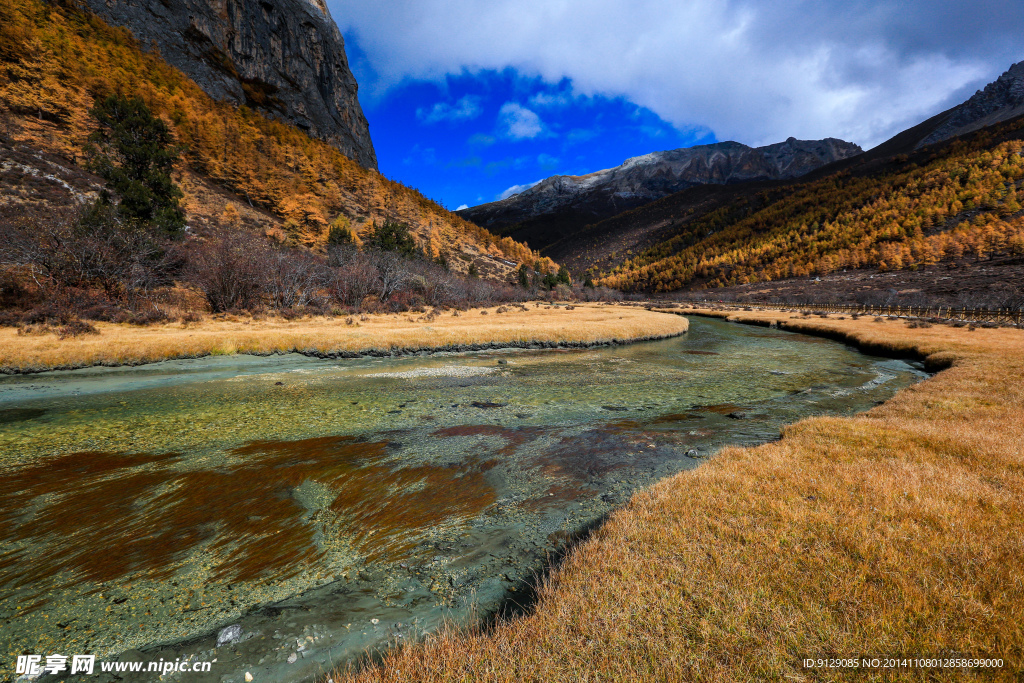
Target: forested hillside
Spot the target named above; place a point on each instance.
(56, 61)
(948, 202)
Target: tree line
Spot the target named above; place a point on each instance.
(962, 202)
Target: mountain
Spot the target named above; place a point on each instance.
(1000, 101)
(553, 208)
(902, 205)
(284, 58)
(241, 169)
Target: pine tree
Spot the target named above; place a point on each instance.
(133, 151)
(392, 236)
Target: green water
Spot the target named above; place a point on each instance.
(145, 508)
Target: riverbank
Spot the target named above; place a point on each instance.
(895, 532)
(539, 325)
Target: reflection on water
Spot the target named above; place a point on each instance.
(332, 505)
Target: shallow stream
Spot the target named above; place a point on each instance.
(331, 506)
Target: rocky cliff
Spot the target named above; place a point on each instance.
(284, 58)
(1001, 100)
(541, 213)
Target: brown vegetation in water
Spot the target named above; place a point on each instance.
(122, 344)
(83, 528)
(897, 531)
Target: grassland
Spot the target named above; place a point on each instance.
(898, 531)
(121, 344)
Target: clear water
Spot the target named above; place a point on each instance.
(331, 506)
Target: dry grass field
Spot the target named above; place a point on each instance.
(122, 344)
(898, 531)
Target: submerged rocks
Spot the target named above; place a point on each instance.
(229, 635)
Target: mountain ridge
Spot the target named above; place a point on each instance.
(954, 202)
(283, 58)
(1000, 100)
(542, 213)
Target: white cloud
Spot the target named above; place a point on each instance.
(516, 189)
(516, 122)
(464, 110)
(462, 206)
(543, 100)
(481, 140)
(547, 162)
(756, 71)
(419, 156)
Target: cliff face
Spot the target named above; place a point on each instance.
(1001, 100)
(543, 210)
(284, 58)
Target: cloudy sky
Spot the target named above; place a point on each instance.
(469, 100)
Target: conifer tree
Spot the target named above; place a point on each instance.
(133, 151)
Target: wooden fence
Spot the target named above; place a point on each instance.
(976, 315)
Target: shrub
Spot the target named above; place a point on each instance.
(76, 328)
(34, 328)
(392, 236)
(229, 270)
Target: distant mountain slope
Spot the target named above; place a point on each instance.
(56, 60)
(955, 200)
(284, 58)
(555, 207)
(1001, 100)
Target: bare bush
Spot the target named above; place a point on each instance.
(95, 265)
(392, 272)
(90, 247)
(293, 279)
(76, 328)
(230, 270)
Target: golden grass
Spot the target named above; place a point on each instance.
(896, 531)
(119, 344)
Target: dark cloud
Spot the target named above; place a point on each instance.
(756, 72)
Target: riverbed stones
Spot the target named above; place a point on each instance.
(229, 635)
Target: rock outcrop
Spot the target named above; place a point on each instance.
(649, 177)
(285, 58)
(1001, 100)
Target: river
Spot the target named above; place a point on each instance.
(332, 506)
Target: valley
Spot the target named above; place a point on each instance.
(268, 408)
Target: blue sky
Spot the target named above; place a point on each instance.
(469, 98)
(474, 138)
